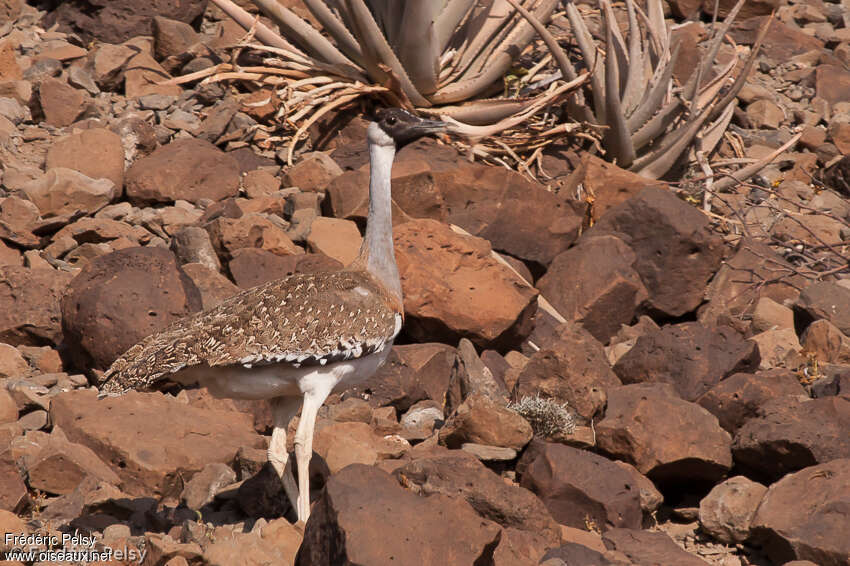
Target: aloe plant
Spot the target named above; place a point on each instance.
(649, 120)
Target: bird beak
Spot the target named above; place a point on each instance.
(425, 126)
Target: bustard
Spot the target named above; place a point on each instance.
(299, 337)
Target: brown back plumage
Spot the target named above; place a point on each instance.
(305, 319)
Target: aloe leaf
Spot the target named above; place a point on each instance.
(263, 34)
(337, 30)
(654, 98)
(449, 19)
(635, 82)
(658, 124)
(657, 162)
(617, 138)
(417, 47)
(616, 47)
(713, 133)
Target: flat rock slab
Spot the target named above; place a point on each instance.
(792, 432)
(29, 305)
(580, 487)
(365, 517)
(805, 516)
(667, 439)
(453, 288)
(646, 548)
(151, 440)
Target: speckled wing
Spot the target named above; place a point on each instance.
(305, 319)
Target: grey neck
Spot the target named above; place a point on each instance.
(377, 249)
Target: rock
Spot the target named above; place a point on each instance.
(120, 298)
(650, 498)
(121, 20)
(765, 114)
(108, 63)
(782, 41)
(259, 183)
(471, 377)
(9, 11)
(60, 465)
(489, 453)
(825, 300)
(252, 266)
(580, 489)
(342, 444)
(149, 459)
(689, 356)
(669, 440)
(313, 172)
(676, 253)
(252, 230)
(646, 548)
(727, 511)
(64, 191)
(336, 238)
(790, 433)
(826, 342)
(204, 485)
(369, 514)
(420, 420)
(351, 410)
(12, 364)
(738, 397)
(96, 152)
(770, 315)
(803, 516)
(186, 169)
(571, 369)
(595, 284)
(273, 543)
(743, 279)
(457, 474)
(606, 183)
(29, 305)
(574, 553)
(483, 421)
(172, 37)
(454, 288)
(61, 103)
(832, 84)
(192, 245)
(411, 373)
(13, 491)
(779, 348)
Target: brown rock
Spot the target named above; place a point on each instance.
(580, 489)
(839, 132)
(832, 84)
(470, 377)
(252, 230)
(61, 103)
(826, 342)
(192, 245)
(750, 9)
(676, 252)
(12, 363)
(803, 516)
(412, 373)
(61, 465)
(483, 421)
(29, 305)
(685, 9)
(186, 169)
(572, 369)
(765, 114)
(119, 21)
(779, 348)
(825, 300)
(345, 443)
(769, 315)
(9, 256)
(453, 287)
(781, 42)
(738, 397)
(313, 172)
(650, 498)
(150, 459)
(647, 548)
(142, 76)
(9, 68)
(371, 513)
(689, 356)
(595, 284)
(336, 238)
(667, 439)
(252, 266)
(171, 37)
(274, 543)
(108, 63)
(8, 407)
(64, 191)
(727, 511)
(790, 433)
(575, 553)
(204, 485)
(259, 183)
(212, 285)
(13, 491)
(455, 473)
(122, 297)
(100, 230)
(96, 153)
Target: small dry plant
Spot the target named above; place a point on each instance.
(546, 416)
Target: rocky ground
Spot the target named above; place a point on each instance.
(703, 352)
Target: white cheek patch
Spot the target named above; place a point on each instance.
(361, 291)
(397, 327)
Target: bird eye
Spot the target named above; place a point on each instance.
(391, 120)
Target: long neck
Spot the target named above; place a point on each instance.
(376, 253)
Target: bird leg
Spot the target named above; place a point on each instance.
(283, 409)
(313, 399)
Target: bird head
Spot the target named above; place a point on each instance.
(397, 127)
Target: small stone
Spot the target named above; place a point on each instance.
(489, 453)
(727, 511)
(765, 114)
(204, 485)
